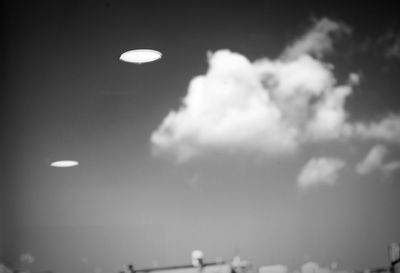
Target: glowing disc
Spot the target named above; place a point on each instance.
(140, 56)
(64, 163)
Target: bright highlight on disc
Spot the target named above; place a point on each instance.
(140, 56)
(64, 163)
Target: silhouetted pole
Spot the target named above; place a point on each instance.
(394, 255)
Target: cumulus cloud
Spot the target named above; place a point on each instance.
(320, 171)
(354, 78)
(387, 129)
(267, 106)
(374, 161)
(317, 41)
(227, 108)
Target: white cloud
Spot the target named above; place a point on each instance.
(320, 171)
(227, 108)
(354, 78)
(267, 106)
(317, 41)
(374, 161)
(387, 129)
(329, 120)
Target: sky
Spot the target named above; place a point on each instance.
(268, 129)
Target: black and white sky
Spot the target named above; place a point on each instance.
(268, 129)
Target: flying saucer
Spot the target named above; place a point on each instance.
(64, 163)
(140, 56)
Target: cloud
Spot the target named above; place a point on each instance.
(267, 106)
(387, 45)
(317, 41)
(354, 78)
(387, 129)
(320, 171)
(390, 43)
(5, 269)
(374, 161)
(227, 108)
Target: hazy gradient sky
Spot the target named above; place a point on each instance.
(269, 130)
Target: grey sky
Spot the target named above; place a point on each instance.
(144, 192)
